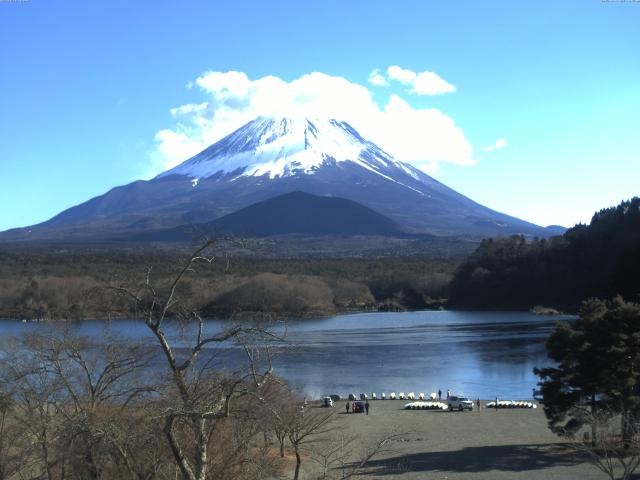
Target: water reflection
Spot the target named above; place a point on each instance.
(479, 354)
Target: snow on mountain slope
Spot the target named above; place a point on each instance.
(285, 147)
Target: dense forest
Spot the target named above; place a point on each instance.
(601, 259)
(74, 284)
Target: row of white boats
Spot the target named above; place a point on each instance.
(489, 405)
(426, 406)
(422, 402)
(511, 404)
(393, 396)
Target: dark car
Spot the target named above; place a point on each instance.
(357, 407)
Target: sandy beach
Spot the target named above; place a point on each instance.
(485, 444)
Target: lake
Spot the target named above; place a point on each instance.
(478, 354)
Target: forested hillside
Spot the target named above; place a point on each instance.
(601, 259)
(70, 284)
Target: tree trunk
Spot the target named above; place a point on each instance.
(92, 468)
(201, 454)
(181, 459)
(626, 428)
(594, 426)
(44, 433)
(298, 462)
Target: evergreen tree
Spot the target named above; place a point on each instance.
(598, 260)
(597, 367)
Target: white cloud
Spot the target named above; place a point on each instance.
(423, 83)
(429, 83)
(500, 143)
(402, 75)
(421, 136)
(376, 78)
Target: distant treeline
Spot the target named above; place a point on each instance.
(597, 260)
(73, 284)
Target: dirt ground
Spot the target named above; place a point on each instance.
(486, 444)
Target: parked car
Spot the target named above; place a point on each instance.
(357, 407)
(460, 403)
(327, 402)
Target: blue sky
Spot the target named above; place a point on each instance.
(85, 87)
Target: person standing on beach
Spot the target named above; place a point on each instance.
(347, 407)
(448, 394)
(478, 403)
(496, 404)
(366, 407)
(439, 395)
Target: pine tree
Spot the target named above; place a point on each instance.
(597, 368)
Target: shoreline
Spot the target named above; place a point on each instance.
(508, 444)
(284, 316)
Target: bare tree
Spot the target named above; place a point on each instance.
(12, 438)
(83, 408)
(201, 394)
(615, 451)
(34, 395)
(343, 456)
(279, 404)
(75, 401)
(97, 383)
(306, 427)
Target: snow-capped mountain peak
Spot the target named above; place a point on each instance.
(281, 147)
(271, 157)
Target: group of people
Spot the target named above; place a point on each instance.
(353, 407)
(440, 395)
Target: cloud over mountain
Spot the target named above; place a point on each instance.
(499, 143)
(376, 78)
(421, 83)
(423, 137)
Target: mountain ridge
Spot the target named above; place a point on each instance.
(269, 157)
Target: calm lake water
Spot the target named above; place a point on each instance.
(478, 354)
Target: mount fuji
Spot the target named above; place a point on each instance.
(269, 157)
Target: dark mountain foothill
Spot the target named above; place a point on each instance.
(291, 213)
